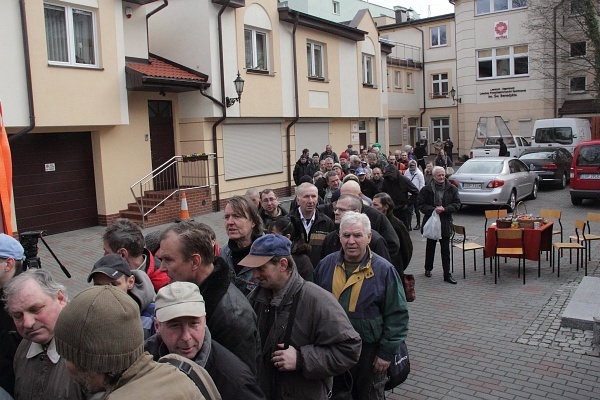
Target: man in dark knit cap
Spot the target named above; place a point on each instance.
(102, 341)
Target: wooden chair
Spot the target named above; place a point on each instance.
(508, 234)
(493, 215)
(465, 247)
(580, 238)
(589, 236)
(547, 213)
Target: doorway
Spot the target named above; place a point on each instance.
(162, 141)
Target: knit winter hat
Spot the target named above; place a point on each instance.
(100, 330)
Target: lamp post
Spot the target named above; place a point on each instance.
(239, 88)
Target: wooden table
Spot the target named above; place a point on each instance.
(536, 241)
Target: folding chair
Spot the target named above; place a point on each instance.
(465, 246)
(589, 236)
(580, 235)
(508, 234)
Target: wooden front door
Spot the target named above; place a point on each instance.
(162, 141)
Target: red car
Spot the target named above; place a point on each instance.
(585, 172)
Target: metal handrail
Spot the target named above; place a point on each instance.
(173, 175)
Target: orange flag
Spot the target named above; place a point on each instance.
(5, 178)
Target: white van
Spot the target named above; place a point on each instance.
(560, 132)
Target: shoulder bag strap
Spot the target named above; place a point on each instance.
(187, 369)
(290, 324)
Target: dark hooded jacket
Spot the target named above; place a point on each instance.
(230, 317)
(398, 187)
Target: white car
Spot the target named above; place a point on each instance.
(495, 181)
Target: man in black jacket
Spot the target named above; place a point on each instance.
(188, 256)
(181, 329)
(11, 256)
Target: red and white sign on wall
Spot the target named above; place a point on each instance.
(501, 30)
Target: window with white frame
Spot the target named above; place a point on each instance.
(503, 62)
(438, 36)
(257, 51)
(441, 128)
(397, 79)
(70, 35)
(336, 7)
(577, 84)
(439, 85)
(367, 63)
(409, 80)
(578, 49)
(492, 6)
(315, 57)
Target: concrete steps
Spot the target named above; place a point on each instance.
(583, 306)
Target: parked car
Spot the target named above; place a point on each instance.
(552, 164)
(495, 181)
(585, 172)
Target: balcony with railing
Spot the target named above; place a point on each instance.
(404, 55)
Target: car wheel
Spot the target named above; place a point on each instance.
(576, 201)
(534, 191)
(563, 180)
(512, 200)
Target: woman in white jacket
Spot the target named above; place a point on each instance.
(416, 177)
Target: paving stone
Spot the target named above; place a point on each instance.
(473, 330)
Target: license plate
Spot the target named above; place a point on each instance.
(471, 185)
(589, 176)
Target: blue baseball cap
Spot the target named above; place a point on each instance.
(266, 247)
(10, 248)
(361, 171)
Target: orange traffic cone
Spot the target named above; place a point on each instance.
(184, 214)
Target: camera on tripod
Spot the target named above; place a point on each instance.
(29, 241)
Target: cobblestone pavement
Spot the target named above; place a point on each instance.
(473, 340)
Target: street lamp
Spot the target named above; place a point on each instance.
(239, 88)
(454, 98)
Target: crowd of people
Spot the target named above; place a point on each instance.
(303, 303)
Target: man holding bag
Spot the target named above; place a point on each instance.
(440, 197)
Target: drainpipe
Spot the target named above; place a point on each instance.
(27, 75)
(223, 106)
(151, 13)
(297, 117)
(423, 73)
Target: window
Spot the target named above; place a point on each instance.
(314, 57)
(577, 84)
(503, 62)
(367, 69)
(256, 50)
(577, 7)
(441, 128)
(409, 82)
(440, 85)
(70, 35)
(397, 79)
(491, 6)
(578, 49)
(438, 36)
(336, 7)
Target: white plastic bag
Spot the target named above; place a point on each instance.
(433, 227)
